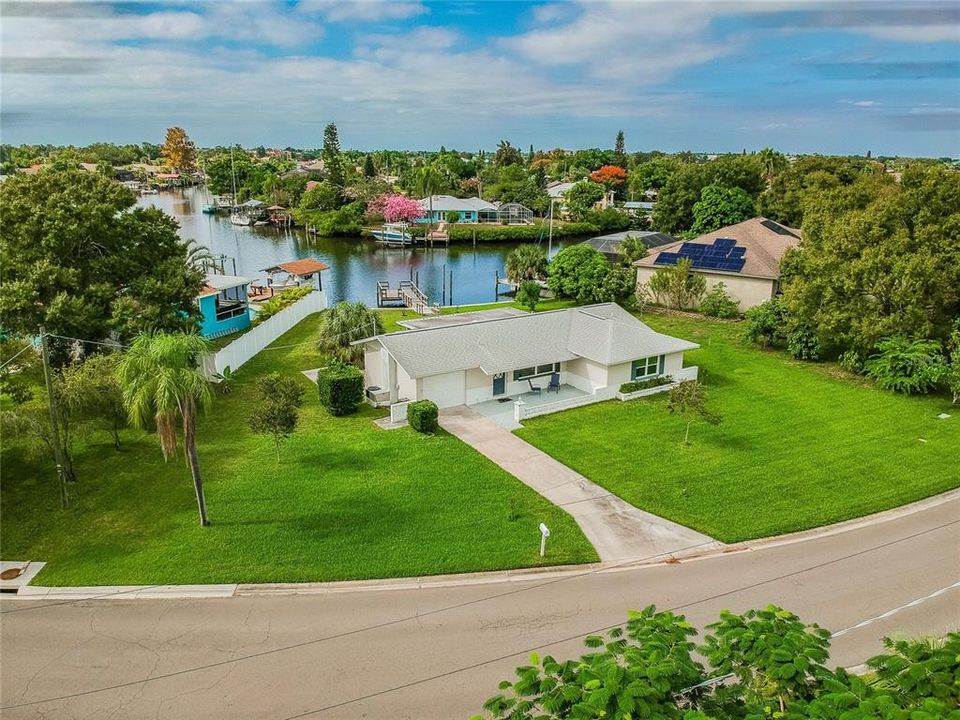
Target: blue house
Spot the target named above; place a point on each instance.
(471, 210)
(223, 305)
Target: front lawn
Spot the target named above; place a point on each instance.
(349, 501)
(800, 445)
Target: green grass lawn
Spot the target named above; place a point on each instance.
(349, 501)
(393, 315)
(800, 444)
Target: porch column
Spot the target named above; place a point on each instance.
(390, 376)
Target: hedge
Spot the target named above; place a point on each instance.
(629, 387)
(278, 302)
(341, 388)
(422, 416)
(464, 232)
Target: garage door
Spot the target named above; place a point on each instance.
(445, 390)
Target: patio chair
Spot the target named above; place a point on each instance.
(535, 389)
(554, 383)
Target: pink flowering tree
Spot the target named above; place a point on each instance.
(396, 208)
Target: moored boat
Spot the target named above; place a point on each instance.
(393, 234)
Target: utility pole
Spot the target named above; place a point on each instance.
(550, 240)
(54, 424)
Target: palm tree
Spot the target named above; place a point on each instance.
(429, 182)
(161, 383)
(772, 163)
(344, 323)
(526, 262)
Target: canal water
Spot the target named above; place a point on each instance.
(355, 264)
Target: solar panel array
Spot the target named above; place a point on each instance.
(724, 254)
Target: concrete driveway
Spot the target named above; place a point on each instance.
(618, 531)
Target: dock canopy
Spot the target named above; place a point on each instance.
(253, 204)
(301, 268)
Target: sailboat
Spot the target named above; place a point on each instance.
(237, 217)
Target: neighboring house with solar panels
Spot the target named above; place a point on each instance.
(745, 257)
(500, 355)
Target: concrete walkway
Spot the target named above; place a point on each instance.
(618, 531)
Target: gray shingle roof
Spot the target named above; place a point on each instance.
(604, 333)
(446, 203)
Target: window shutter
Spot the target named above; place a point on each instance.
(633, 369)
(662, 362)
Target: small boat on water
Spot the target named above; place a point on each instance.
(149, 191)
(393, 234)
(241, 219)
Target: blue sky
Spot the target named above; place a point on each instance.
(803, 76)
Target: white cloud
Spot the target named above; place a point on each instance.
(363, 10)
(632, 42)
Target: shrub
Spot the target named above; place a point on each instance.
(677, 286)
(635, 385)
(341, 388)
(617, 285)
(608, 220)
(851, 361)
(718, 303)
(528, 294)
(765, 323)
(422, 416)
(278, 302)
(453, 217)
(803, 343)
(907, 366)
(465, 232)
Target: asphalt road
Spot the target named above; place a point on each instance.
(439, 652)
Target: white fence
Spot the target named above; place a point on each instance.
(257, 338)
(687, 373)
(522, 410)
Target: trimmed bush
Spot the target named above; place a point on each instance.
(453, 217)
(629, 387)
(718, 303)
(341, 388)
(422, 416)
(278, 302)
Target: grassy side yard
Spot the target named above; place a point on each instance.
(800, 445)
(349, 501)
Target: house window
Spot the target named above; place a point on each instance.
(536, 371)
(647, 367)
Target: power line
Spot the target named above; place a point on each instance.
(468, 603)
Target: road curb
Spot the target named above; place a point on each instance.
(558, 572)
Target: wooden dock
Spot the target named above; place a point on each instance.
(407, 294)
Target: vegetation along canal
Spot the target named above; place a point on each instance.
(355, 264)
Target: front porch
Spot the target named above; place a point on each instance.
(502, 410)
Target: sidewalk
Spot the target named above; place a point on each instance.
(617, 530)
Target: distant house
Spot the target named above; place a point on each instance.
(609, 245)
(223, 305)
(745, 257)
(487, 357)
(559, 189)
(473, 210)
(638, 208)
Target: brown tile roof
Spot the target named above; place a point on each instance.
(306, 266)
(766, 242)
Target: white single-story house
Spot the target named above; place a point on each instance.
(503, 354)
(745, 257)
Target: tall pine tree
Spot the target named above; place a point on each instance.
(619, 151)
(333, 158)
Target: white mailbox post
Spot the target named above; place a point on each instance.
(544, 534)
